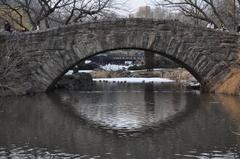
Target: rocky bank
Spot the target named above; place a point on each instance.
(77, 81)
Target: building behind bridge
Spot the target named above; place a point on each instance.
(126, 57)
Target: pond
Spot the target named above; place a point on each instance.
(120, 121)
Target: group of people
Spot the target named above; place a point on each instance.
(222, 28)
(8, 27)
(212, 26)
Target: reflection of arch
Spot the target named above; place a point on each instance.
(209, 55)
(122, 112)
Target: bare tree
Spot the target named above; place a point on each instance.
(84, 9)
(60, 11)
(220, 13)
(11, 59)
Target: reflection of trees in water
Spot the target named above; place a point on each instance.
(149, 98)
(231, 104)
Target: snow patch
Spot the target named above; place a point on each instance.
(135, 80)
(111, 67)
(70, 72)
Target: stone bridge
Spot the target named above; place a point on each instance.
(212, 56)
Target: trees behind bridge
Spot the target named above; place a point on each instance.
(218, 12)
(29, 14)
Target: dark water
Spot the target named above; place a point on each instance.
(134, 121)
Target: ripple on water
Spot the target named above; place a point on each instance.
(127, 113)
(64, 123)
(40, 153)
(206, 155)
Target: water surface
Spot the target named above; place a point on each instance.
(118, 121)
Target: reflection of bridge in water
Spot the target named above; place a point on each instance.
(50, 123)
(123, 112)
(211, 56)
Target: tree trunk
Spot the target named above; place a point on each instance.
(149, 60)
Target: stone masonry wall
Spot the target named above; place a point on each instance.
(211, 56)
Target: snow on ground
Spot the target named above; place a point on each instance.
(155, 69)
(81, 71)
(111, 67)
(135, 80)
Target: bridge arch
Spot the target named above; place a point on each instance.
(211, 56)
(184, 65)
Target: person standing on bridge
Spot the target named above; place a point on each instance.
(210, 25)
(38, 26)
(238, 28)
(223, 28)
(7, 26)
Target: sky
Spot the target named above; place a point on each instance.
(132, 5)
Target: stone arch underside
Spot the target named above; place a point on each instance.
(211, 56)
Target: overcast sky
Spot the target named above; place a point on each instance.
(133, 5)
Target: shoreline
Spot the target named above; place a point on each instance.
(177, 74)
(133, 80)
